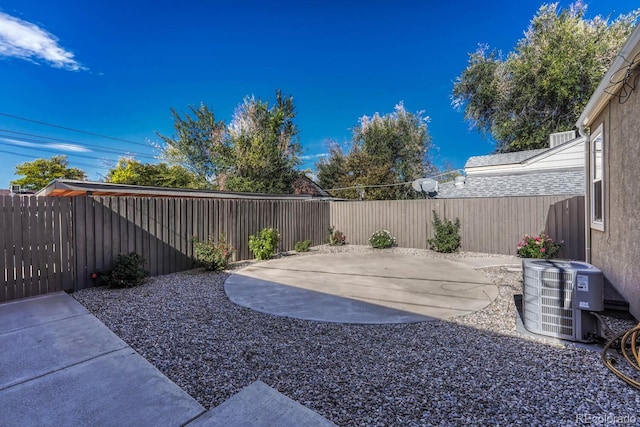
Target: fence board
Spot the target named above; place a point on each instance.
(10, 266)
(98, 233)
(144, 231)
(160, 230)
(4, 241)
(67, 254)
(18, 247)
(40, 259)
(80, 241)
(107, 233)
(57, 218)
(32, 248)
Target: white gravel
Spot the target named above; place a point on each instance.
(474, 370)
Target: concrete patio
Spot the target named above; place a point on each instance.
(366, 288)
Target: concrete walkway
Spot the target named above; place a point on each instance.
(61, 366)
(366, 288)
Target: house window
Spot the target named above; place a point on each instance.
(597, 179)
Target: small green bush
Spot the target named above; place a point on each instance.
(446, 237)
(382, 239)
(213, 255)
(302, 246)
(541, 246)
(264, 243)
(126, 272)
(336, 237)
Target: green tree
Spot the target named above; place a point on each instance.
(131, 171)
(258, 151)
(40, 172)
(544, 84)
(331, 169)
(199, 144)
(264, 147)
(385, 150)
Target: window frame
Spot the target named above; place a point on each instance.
(595, 180)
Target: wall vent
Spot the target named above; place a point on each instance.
(558, 138)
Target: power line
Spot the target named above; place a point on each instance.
(85, 165)
(50, 151)
(66, 141)
(359, 186)
(71, 129)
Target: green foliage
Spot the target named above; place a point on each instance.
(258, 151)
(264, 243)
(446, 237)
(382, 239)
(198, 145)
(387, 149)
(302, 246)
(265, 150)
(213, 255)
(543, 85)
(126, 271)
(130, 171)
(336, 237)
(40, 172)
(331, 169)
(541, 246)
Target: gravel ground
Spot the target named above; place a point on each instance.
(474, 370)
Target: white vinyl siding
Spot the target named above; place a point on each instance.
(569, 156)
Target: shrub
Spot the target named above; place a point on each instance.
(541, 246)
(336, 237)
(213, 255)
(382, 239)
(446, 237)
(126, 272)
(302, 246)
(264, 243)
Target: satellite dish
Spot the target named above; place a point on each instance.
(425, 185)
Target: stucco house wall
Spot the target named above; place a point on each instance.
(615, 249)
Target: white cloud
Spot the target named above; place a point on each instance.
(313, 156)
(24, 40)
(52, 146)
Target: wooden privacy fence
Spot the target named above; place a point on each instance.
(36, 254)
(54, 243)
(162, 229)
(487, 225)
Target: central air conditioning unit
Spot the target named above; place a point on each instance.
(558, 297)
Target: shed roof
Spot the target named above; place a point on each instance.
(66, 187)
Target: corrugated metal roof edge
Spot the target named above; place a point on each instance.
(106, 189)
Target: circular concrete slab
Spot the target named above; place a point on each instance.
(362, 288)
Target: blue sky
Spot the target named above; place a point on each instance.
(115, 68)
